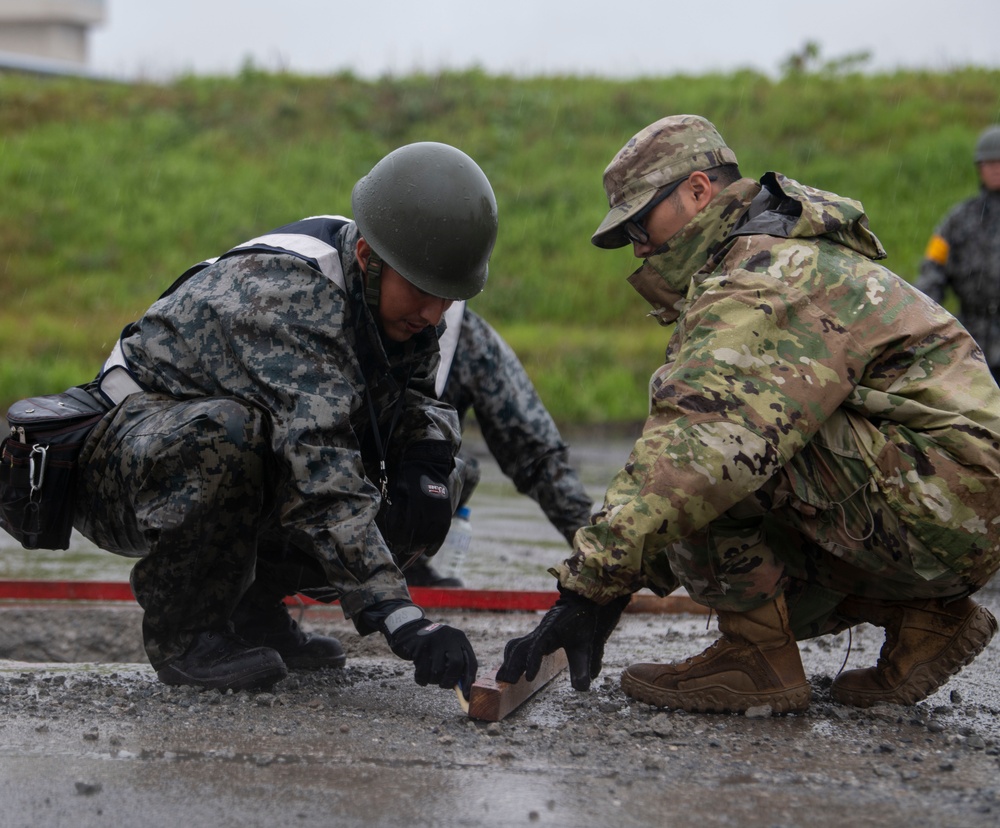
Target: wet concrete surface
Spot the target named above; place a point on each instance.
(89, 737)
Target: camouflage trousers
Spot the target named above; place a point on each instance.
(184, 487)
(469, 474)
(181, 486)
(817, 531)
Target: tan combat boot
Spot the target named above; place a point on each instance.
(755, 662)
(926, 643)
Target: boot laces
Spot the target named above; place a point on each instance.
(300, 607)
(847, 655)
(891, 637)
(721, 641)
(883, 661)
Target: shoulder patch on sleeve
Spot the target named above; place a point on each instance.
(937, 250)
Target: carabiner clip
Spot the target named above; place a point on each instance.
(36, 468)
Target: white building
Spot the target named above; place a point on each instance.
(49, 29)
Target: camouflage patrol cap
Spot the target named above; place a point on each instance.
(664, 152)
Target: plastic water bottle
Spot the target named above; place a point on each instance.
(448, 561)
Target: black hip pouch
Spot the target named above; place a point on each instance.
(38, 463)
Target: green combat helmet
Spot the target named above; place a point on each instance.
(988, 145)
(429, 212)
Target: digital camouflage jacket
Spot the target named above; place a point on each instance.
(782, 317)
(964, 255)
(293, 336)
(487, 377)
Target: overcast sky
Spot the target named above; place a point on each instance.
(533, 37)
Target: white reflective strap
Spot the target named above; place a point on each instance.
(402, 617)
(326, 255)
(117, 357)
(448, 344)
(116, 381)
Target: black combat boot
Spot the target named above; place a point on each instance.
(268, 623)
(222, 661)
(421, 574)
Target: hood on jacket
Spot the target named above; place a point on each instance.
(790, 210)
(776, 206)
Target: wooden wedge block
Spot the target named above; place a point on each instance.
(491, 700)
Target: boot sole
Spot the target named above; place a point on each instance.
(925, 679)
(315, 652)
(307, 663)
(262, 679)
(716, 699)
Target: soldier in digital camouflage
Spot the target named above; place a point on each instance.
(481, 374)
(822, 448)
(487, 378)
(963, 254)
(275, 430)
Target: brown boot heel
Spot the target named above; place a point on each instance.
(926, 643)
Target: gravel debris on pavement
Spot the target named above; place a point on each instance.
(88, 736)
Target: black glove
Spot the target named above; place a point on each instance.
(441, 655)
(419, 512)
(578, 625)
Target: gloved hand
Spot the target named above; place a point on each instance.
(441, 655)
(419, 513)
(578, 625)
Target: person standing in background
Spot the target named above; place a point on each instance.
(963, 254)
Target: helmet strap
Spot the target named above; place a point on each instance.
(373, 279)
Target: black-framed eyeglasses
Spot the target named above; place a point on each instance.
(634, 228)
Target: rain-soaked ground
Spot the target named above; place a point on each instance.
(88, 737)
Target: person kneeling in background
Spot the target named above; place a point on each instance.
(480, 372)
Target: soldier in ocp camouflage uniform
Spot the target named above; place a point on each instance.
(963, 254)
(276, 431)
(480, 372)
(823, 446)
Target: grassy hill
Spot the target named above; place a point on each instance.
(110, 191)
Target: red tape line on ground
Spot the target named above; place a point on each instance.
(430, 597)
(66, 590)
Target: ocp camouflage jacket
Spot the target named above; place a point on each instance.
(782, 318)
